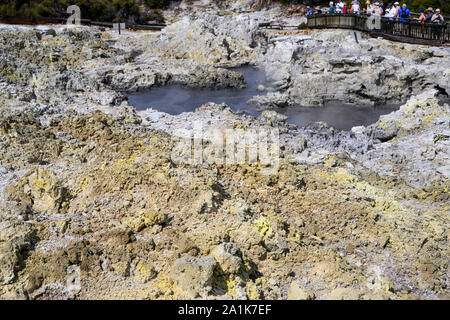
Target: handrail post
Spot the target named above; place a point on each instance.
(403, 31)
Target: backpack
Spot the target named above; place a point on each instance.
(403, 14)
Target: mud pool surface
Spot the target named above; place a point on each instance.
(176, 99)
(342, 117)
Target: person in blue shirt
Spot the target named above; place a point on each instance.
(332, 9)
(403, 13)
(309, 11)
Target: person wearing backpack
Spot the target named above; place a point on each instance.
(404, 13)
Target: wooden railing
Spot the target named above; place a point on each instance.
(393, 29)
(40, 21)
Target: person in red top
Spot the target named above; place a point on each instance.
(345, 8)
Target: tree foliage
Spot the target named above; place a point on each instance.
(416, 5)
(128, 10)
(99, 10)
(157, 4)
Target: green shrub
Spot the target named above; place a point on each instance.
(302, 26)
(156, 4)
(155, 15)
(416, 5)
(98, 10)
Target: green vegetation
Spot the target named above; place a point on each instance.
(416, 5)
(156, 4)
(302, 26)
(128, 10)
(99, 10)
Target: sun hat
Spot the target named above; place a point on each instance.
(438, 10)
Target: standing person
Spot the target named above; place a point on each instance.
(430, 14)
(355, 7)
(396, 9)
(404, 13)
(375, 9)
(309, 11)
(437, 17)
(379, 9)
(387, 11)
(422, 16)
(331, 9)
(340, 7)
(392, 12)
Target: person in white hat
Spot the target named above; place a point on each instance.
(437, 17)
(374, 8)
(332, 9)
(396, 9)
(377, 10)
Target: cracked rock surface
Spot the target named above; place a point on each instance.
(93, 205)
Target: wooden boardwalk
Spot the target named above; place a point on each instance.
(392, 29)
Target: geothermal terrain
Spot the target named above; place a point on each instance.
(93, 205)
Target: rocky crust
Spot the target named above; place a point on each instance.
(93, 206)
